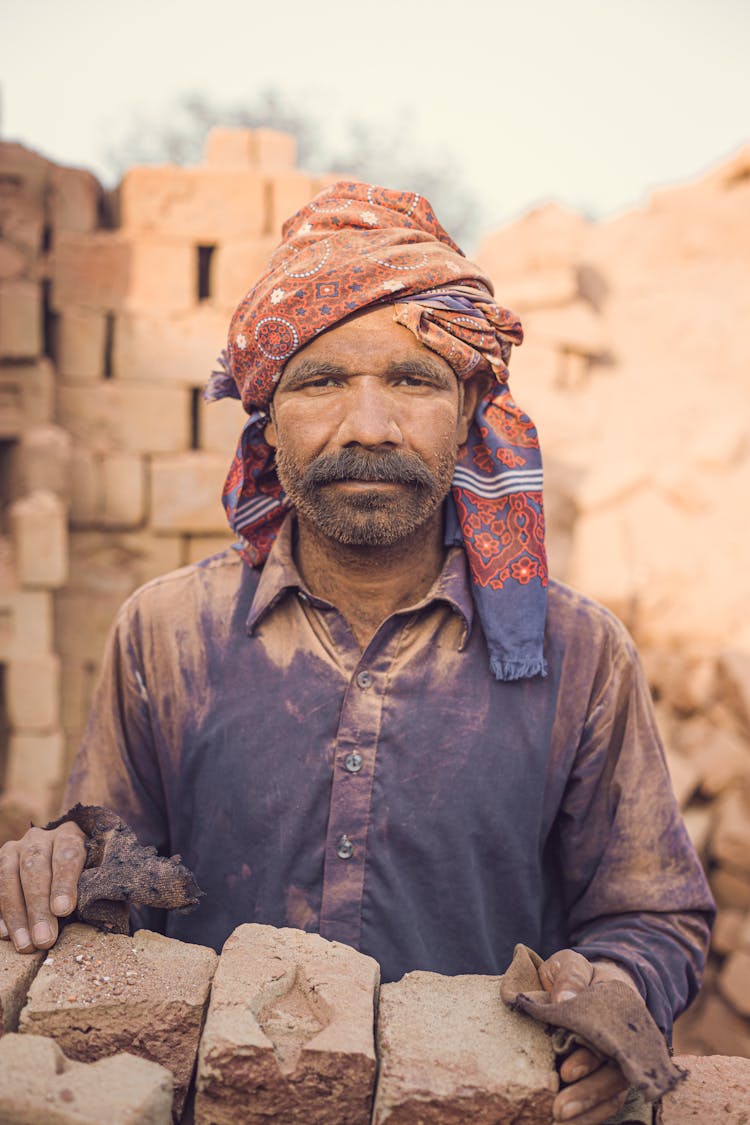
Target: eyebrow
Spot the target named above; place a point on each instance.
(317, 369)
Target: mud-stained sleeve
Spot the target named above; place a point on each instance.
(635, 889)
(117, 763)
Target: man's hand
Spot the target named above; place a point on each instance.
(39, 883)
(598, 1088)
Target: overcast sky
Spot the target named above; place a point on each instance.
(591, 102)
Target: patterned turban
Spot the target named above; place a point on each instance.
(357, 247)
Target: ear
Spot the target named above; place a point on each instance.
(269, 432)
(474, 390)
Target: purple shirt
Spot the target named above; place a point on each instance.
(399, 799)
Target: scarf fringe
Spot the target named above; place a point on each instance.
(517, 669)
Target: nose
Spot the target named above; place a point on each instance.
(369, 417)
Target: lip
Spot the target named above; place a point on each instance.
(366, 485)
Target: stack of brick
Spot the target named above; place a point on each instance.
(112, 1029)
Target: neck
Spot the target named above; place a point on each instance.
(368, 584)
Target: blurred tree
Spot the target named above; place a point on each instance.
(379, 153)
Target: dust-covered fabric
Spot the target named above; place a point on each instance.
(399, 799)
(356, 247)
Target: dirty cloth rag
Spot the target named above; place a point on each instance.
(120, 872)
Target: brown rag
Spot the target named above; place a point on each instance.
(119, 872)
(609, 1017)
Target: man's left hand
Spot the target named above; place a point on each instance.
(598, 1088)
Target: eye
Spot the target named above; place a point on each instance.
(413, 381)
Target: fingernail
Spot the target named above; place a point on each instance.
(572, 1109)
(21, 939)
(42, 933)
(579, 1072)
(61, 904)
(3, 930)
(567, 995)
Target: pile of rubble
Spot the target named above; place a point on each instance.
(282, 1026)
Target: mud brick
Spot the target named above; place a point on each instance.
(39, 1084)
(85, 488)
(81, 340)
(26, 396)
(121, 560)
(180, 350)
(17, 971)
(39, 528)
(98, 994)
(220, 425)
(201, 205)
(716, 1089)
(289, 1032)
(727, 931)
(35, 765)
(20, 320)
(186, 493)
(32, 693)
(74, 200)
(730, 843)
(734, 677)
(238, 265)
(123, 490)
(91, 271)
(699, 822)
(41, 461)
(721, 755)
(731, 887)
(163, 276)
(719, 1029)
(23, 223)
(25, 623)
(250, 148)
(275, 151)
(734, 981)
(684, 776)
(13, 261)
(289, 191)
(450, 1050)
(83, 620)
(133, 418)
(203, 546)
(23, 172)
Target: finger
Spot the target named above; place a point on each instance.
(565, 974)
(35, 865)
(4, 935)
(599, 1114)
(579, 1064)
(606, 1084)
(12, 906)
(68, 860)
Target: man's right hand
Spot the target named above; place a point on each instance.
(39, 883)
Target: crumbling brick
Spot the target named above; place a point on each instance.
(32, 693)
(730, 843)
(74, 200)
(730, 887)
(135, 418)
(450, 1051)
(734, 981)
(239, 264)
(39, 527)
(39, 1084)
(184, 493)
(25, 623)
(289, 1032)
(35, 765)
(81, 337)
(90, 271)
(20, 320)
(26, 396)
(181, 350)
(17, 971)
(734, 676)
(98, 994)
(200, 205)
(13, 261)
(41, 461)
(267, 149)
(123, 490)
(717, 1089)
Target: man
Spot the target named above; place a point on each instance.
(376, 720)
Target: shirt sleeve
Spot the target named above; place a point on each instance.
(635, 889)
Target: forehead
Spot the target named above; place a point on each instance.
(372, 338)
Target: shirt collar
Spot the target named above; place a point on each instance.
(280, 575)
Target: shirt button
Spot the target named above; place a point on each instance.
(353, 762)
(364, 679)
(344, 848)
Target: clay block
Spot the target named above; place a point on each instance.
(32, 693)
(734, 676)
(39, 1084)
(163, 276)
(727, 931)
(83, 620)
(274, 151)
(250, 148)
(699, 822)
(716, 1089)
(13, 261)
(203, 546)
(220, 425)
(238, 265)
(201, 205)
(132, 418)
(17, 971)
(289, 191)
(98, 994)
(39, 529)
(684, 776)
(123, 490)
(20, 320)
(35, 765)
(450, 1051)
(289, 1032)
(720, 755)
(74, 200)
(734, 981)
(80, 344)
(730, 843)
(26, 396)
(720, 1029)
(186, 493)
(91, 271)
(41, 461)
(85, 488)
(730, 887)
(25, 623)
(178, 350)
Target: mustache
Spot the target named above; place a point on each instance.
(390, 466)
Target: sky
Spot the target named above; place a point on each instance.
(589, 102)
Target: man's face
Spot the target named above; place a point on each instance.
(366, 423)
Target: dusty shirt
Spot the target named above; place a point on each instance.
(399, 799)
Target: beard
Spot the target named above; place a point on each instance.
(369, 517)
